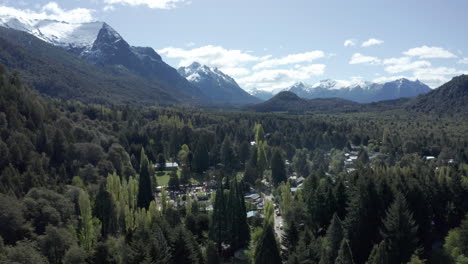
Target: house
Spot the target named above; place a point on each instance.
(169, 166)
(252, 197)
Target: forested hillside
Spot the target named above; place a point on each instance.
(84, 183)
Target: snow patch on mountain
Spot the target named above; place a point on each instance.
(58, 33)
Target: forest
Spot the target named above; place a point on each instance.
(82, 183)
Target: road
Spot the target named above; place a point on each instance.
(278, 219)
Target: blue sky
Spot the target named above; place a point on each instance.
(270, 44)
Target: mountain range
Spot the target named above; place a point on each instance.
(100, 45)
(360, 91)
(449, 99)
(92, 62)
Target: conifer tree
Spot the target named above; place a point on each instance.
(400, 231)
(344, 254)
(332, 241)
(145, 195)
(379, 254)
(266, 250)
(105, 210)
(278, 169)
(218, 228)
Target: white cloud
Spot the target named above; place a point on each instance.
(372, 42)
(281, 78)
(426, 52)
(213, 56)
(397, 65)
(51, 11)
(463, 61)
(349, 43)
(291, 59)
(157, 4)
(358, 58)
(235, 71)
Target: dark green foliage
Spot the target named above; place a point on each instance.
(150, 246)
(291, 236)
(379, 254)
(13, 226)
(24, 252)
(106, 211)
(145, 195)
(219, 221)
(55, 243)
(344, 254)
(185, 252)
(75, 255)
(332, 241)
(173, 183)
(212, 256)
(400, 231)
(278, 170)
(449, 99)
(266, 250)
(161, 162)
(45, 143)
(290, 102)
(238, 228)
(228, 155)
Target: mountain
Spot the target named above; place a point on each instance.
(360, 91)
(101, 45)
(218, 86)
(450, 98)
(55, 72)
(287, 101)
(261, 94)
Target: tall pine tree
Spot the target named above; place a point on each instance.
(145, 196)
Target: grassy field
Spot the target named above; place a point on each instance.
(163, 178)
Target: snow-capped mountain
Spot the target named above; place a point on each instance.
(218, 86)
(66, 35)
(360, 91)
(99, 44)
(261, 94)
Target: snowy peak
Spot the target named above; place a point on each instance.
(196, 72)
(58, 33)
(360, 91)
(217, 85)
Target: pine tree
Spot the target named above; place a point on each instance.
(106, 212)
(362, 219)
(228, 155)
(145, 195)
(291, 237)
(400, 230)
(278, 168)
(184, 249)
(266, 250)
(218, 228)
(237, 217)
(212, 256)
(173, 183)
(201, 159)
(332, 241)
(161, 162)
(379, 254)
(344, 254)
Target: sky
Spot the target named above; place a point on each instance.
(271, 44)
